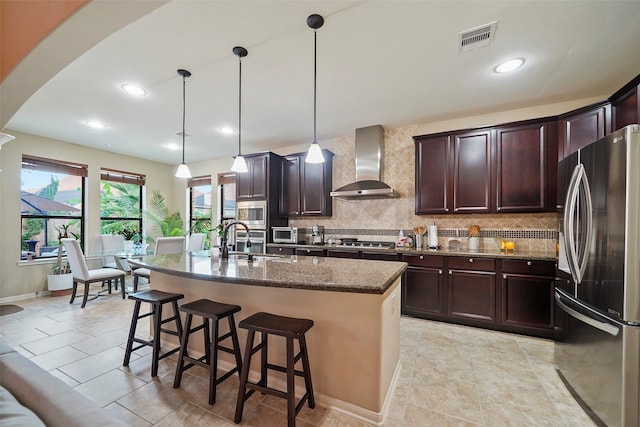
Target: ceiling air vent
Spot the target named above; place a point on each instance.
(477, 37)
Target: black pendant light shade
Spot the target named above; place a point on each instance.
(239, 164)
(183, 169)
(314, 155)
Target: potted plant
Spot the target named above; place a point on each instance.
(60, 280)
(131, 237)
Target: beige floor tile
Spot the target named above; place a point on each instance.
(507, 413)
(416, 416)
(127, 416)
(337, 419)
(55, 341)
(92, 366)
(94, 345)
(109, 387)
(58, 358)
(193, 416)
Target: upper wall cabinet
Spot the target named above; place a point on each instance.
(510, 168)
(453, 173)
(262, 181)
(625, 105)
(526, 167)
(581, 127)
(306, 186)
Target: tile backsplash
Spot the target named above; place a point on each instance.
(381, 219)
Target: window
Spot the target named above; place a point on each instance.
(200, 206)
(121, 203)
(52, 204)
(227, 184)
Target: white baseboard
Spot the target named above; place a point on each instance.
(24, 296)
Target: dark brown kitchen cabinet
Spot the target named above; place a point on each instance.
(342, 254)
(433, 177)
(472, 290)
(453, 173)
(526, 170)
(527, 288)
(281, 251)
(309, 252)
(625, 105)
(472, 166)
(381, 256)
(423, 286)
(262, 178)
(581, 127)
(306, 186)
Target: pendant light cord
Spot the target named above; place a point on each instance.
(239, 105)
(184, 107)
(315, 73)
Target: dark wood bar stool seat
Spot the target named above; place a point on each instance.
(291, 329)
(209, 311)
(157, 299)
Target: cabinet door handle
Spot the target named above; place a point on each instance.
(421, 256)
(529, 263)
(504, 276)
(450, 272)
(470, 259)
(439, 271)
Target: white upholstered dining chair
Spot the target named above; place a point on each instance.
(82, 274)
(164, 245)
(111, 243)
(196, 242)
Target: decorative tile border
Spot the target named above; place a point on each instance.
(507, 234)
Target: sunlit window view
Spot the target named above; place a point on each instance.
(51, 205)
(121, 204)
(200, 207)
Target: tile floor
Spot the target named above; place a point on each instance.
(451, 375)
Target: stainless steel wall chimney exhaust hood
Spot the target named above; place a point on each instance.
(369, 166)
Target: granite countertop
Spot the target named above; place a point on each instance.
(297, 272)
(482, 252)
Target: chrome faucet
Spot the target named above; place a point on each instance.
(225, 236)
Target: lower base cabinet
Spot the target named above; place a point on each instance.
(527, 296)
(507, 295)
(472, 289)
(423, 286)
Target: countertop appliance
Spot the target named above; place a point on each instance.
(317, 235)
(597, 350)
(287, 234)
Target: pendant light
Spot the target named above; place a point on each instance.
(183, 169)
(239, 164)
(314, 155)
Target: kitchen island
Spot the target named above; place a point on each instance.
(354, 344)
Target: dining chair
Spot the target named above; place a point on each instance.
(82, 274)
(111, 243)
(196, 242)
(164, 245)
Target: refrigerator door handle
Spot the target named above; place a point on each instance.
(571, 205)
(585, 241)
(603, 326)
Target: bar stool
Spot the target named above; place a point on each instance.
(292, 329)
(157, 299)
(214, 311)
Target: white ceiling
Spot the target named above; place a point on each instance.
(393, 63)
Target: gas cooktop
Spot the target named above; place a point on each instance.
(368, 244)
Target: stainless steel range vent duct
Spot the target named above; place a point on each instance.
(369, 167)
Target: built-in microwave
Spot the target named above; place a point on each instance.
(287, 234)
(253, 213)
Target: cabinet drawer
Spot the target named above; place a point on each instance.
(380, 256)
(309, 252)
(280, 251)
(342, 254)
(434, 261)
(471, 263)
(522, 266)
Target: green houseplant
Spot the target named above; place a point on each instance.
(165, 223)
(60, 279)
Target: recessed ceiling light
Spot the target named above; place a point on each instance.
(96, 124)
(510, 65)
(134, 90)
(227, 130)
(172, 146)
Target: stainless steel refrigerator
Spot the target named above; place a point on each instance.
(597, 350)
